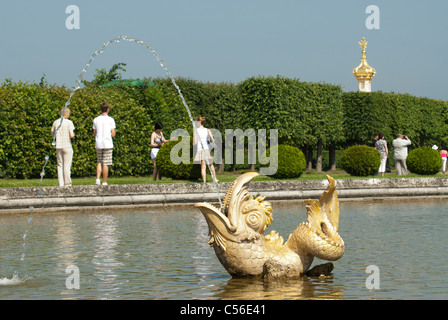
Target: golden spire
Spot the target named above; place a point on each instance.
(364, 73)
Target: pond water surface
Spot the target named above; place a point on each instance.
(163, 254)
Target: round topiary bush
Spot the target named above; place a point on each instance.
(360, 160)
(181, 170)
(291, 162)
(424, 160)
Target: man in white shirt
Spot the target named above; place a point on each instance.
(104, 131)
(401, 153)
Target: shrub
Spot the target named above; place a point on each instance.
(424, 160)
(179, 171)
(291, 162)
(360, 160)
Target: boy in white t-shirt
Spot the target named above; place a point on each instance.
(104, 131)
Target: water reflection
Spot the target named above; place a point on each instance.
(201, 260)
(66, 251)
(163, 254)
(105, 261)
(66, 239)
(288, 289)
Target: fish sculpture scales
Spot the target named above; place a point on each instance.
(237, 233)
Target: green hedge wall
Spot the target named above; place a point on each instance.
(219, 103)
(306, 115)
(303, 112)
(423, 120)
(26, 115)
(28, 111)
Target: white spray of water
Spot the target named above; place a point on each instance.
(162, 64)
(30, 219)
(14, 281)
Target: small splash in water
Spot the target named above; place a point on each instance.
(14, 281)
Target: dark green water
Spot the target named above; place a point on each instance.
(163, 254)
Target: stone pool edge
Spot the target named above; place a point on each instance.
(184, 194)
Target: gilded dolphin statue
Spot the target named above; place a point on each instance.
(237, 233)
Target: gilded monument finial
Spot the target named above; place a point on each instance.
(364, 73)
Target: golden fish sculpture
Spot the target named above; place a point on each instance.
(237, 233)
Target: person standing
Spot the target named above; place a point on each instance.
(381, 147)
(104, 132)
(375, 139)
(401, 153)
(443, 154)
(373, 144)
(63, 131)
(157, 140)
(200, 140)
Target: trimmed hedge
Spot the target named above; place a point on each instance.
(27, 113)
(26, 116)
(423, 120)
(360, 160)
(306, 115)
(291, 162)
(181, 171)
(219, 103)
(303, 112)
(424, 160)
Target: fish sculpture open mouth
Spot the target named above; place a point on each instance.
(237, 233)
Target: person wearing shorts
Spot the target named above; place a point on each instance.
(157, 140)
(201, 136)
(104, 132)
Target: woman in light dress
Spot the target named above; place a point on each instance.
(203, 150)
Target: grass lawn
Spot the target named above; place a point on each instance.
(223, 177)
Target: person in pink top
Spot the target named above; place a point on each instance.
(443, 154)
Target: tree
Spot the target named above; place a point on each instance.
(102, 76)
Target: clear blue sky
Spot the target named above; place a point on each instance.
(232, 40)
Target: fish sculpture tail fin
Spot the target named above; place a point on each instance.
(318, 236)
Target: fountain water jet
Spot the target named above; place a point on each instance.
(39, 191)
(162, 64)
(16, 279)
(30, 219)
